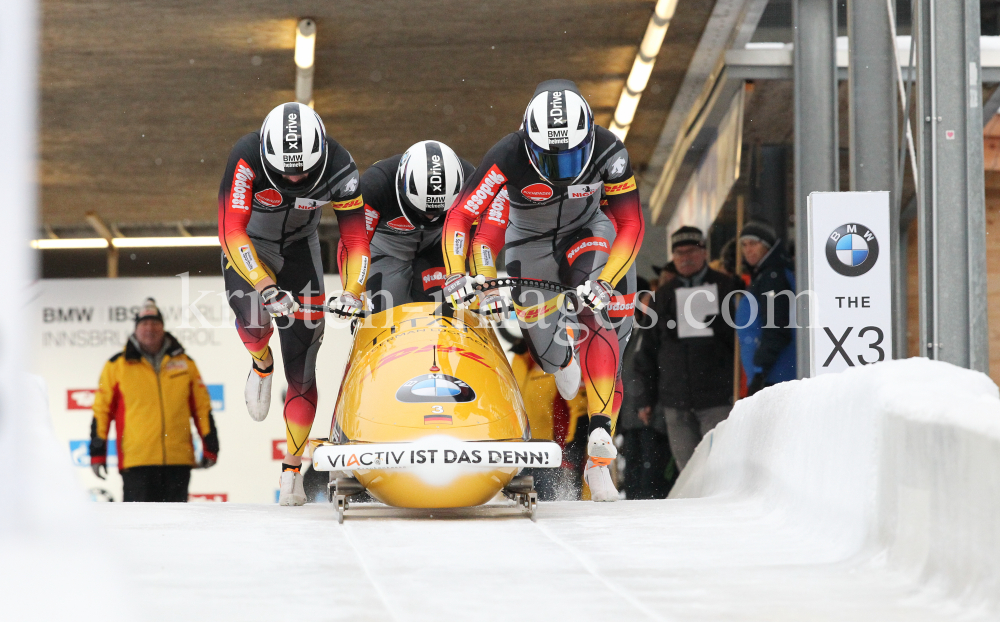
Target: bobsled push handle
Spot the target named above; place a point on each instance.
(326, 309)
(509, 281)
(482, 286)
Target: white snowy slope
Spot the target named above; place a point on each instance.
(54, 561)
(655, 560)
(867, 495)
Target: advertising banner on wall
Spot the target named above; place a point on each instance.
(81, 323)
(850, 279)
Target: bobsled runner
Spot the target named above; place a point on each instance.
(429, 415)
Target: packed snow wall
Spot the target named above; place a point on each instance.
(898, 462)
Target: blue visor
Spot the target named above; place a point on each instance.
(561, 166)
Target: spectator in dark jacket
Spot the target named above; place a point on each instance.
(767, 348)
(689, 353)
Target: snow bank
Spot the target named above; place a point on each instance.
(899, 462)
(48, 533)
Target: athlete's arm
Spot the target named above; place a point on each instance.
(105, 402)
(478, 193)
(201, 413)
(349, 206)
(235, 209)
(625, 211)
(490, 235)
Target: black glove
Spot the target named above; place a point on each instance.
(97, 468)
(756, 384)
(207, 462)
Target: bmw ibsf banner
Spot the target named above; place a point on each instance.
(850, 279)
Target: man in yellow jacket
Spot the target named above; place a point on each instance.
(152, 390)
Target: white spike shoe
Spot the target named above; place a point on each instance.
(601, 451)
(258, 393)
(568, 380)
(291, 491)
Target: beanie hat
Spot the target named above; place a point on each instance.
(149, 311)
(760, 231)
(687, 236)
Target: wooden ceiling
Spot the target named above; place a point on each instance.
(142, 100)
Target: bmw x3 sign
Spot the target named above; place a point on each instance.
(850, 279)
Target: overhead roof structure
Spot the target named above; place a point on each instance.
(142, 101)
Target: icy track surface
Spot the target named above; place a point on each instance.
(678, 559)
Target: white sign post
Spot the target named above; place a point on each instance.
(851, 280)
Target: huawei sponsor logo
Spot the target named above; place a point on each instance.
(269, 197)
(537, 192)
(586, 244)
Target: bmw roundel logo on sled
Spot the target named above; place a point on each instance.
(851, 250)
(435, 388)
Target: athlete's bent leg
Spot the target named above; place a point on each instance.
(253, 324)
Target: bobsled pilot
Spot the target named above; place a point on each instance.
(277, 182)
(406, 198)
(554, 170)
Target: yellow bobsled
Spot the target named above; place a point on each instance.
(429, 415)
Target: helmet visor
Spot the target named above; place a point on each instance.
(561, 166)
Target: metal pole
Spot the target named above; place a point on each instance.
(872, 115)
(951, 206)
(737, 365)
(899, 255)
(817, 157)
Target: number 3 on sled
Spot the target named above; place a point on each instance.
(838, 345)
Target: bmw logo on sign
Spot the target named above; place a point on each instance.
(851, 250)
(435, 388)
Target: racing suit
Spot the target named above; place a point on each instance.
(406, 262)
(561, 233)
(265, 232)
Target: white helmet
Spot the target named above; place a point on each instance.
(560, 129)
(293, 142)
(428, 180)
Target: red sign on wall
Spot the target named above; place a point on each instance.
(214, 497)
(80, 399)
